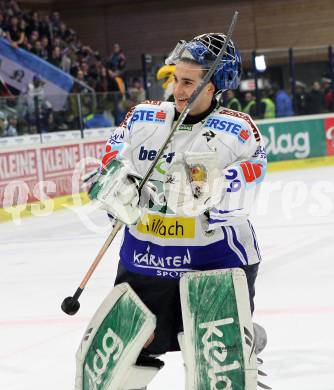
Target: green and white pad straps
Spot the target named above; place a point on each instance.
(112, 342)
(218, 331)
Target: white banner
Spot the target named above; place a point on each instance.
(61, 136)
(18, 67)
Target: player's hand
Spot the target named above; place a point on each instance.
(116, 189)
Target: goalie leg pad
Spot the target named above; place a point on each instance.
(106, 358)
(218, 331)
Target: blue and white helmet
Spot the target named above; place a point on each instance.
(204, 49)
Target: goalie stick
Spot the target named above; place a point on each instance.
(71, 305)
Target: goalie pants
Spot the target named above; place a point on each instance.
(162, 297)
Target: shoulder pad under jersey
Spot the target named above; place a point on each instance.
(164, 105)
(148, 113)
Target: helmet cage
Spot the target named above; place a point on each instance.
(204, 49)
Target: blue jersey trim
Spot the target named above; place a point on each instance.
(238, 244)
(256, 246)
(233, 245)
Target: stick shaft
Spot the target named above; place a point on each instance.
(101, 253)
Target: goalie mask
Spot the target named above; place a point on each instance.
(204, 49)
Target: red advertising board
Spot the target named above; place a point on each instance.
(58, 164)
(46, 171)
(329, 130)
(93, 152)
(18, 177)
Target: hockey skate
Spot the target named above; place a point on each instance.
(148, 361)
(260, 344)
(260, 338)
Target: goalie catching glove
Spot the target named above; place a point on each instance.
(194, 183)
(116, 189)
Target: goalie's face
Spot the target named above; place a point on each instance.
(187, 76)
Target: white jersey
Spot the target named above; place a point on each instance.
(167, 245)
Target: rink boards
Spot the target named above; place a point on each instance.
(42, 173)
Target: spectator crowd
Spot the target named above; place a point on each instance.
(48, 37)
(275, 102)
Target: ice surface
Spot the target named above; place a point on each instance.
(44, 259)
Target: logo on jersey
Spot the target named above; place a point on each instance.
(161, 115)
(244, 135)
(250, 173)
(150, 155)
(169, 266)
(167, 227)
(218, 124)
(260, 152)
(185, 127)
(112, 152)
(152, 115)
(246, 118)
(116, 138)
